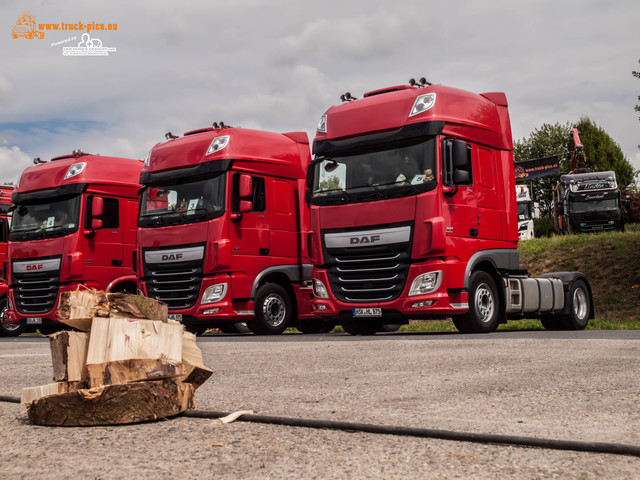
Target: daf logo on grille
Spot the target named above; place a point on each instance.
(171, 257)
(365, 239)
(31, 268)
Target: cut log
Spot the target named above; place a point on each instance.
(196, 372)
(113, 404)
(69, 355)
(30, 394)
(136, 306)
(133, 370)
(78, 307)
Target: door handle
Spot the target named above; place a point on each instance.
(116, 263)
(264, 251)
(473, 232)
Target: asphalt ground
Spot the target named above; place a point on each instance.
(580, 386)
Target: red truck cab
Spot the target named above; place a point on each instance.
(223, 224)
(74, 225)
(6, 329)
(413, 213)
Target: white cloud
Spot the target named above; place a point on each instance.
(13, 161)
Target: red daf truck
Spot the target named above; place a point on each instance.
(414, 216)
(223, 226)
(6, 329)
(74, 223)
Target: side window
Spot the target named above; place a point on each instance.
(258, 195)
(4, 230)
(110, 216)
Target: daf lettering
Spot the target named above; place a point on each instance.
(171, 257)
(364, 239)
(31, 268)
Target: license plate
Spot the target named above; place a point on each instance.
(367, 312)
(34, 320)
(175, 316)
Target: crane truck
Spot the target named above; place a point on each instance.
(414, 216)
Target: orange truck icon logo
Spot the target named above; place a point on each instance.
(26, 27)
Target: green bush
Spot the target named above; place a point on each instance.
(543, 226)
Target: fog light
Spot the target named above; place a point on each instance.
(321, 307)
(426, 303)
(210, 311)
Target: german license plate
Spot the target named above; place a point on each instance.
(34, 320)
(175, 316)
(367, 312)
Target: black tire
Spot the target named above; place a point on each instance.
(8, 329)
(273, 311)
(197, 330)
(389, 327)
(361, 327)
(551, 323)
(316, 325)
(237, 327)
(579, 308)
(484, 305)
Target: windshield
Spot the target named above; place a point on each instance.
(376, 174)
(53, 218)
(186, 202)
(524, 211)
(605, 205)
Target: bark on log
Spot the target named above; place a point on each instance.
(69, 356)
(137, 306)
(113, 404)
(133, 370)
(78, 307)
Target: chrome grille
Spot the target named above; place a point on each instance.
(368, 274)
(35, 293)
(177, 284)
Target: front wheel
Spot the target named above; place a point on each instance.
(273, 311)
(236, 327)
(8, 329)
(484, 306)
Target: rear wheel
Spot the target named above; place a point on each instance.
(273, 311)
(361, 327)
(551, 322)
(8, 329)
(484, 305)
(580, 308)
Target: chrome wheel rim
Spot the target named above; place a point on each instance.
(580, 304)
(274, 310)
(485, 304)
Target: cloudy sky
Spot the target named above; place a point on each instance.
(278, 65)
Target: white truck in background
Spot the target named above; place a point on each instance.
(527, 211)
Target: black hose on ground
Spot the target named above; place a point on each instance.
(593, 447)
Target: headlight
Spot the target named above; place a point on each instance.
(426, 283)
(218, 144)
(322, 124)
(573, 187)
(319, 290)
(75, 169)
(214, 293)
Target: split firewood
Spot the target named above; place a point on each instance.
(125, 350)
(69, 355)
(113, 404)
(78, 307)
(197, 373)
(30, 394)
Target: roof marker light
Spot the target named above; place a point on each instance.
(75, 169)
(218, 144)
(423, 103)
